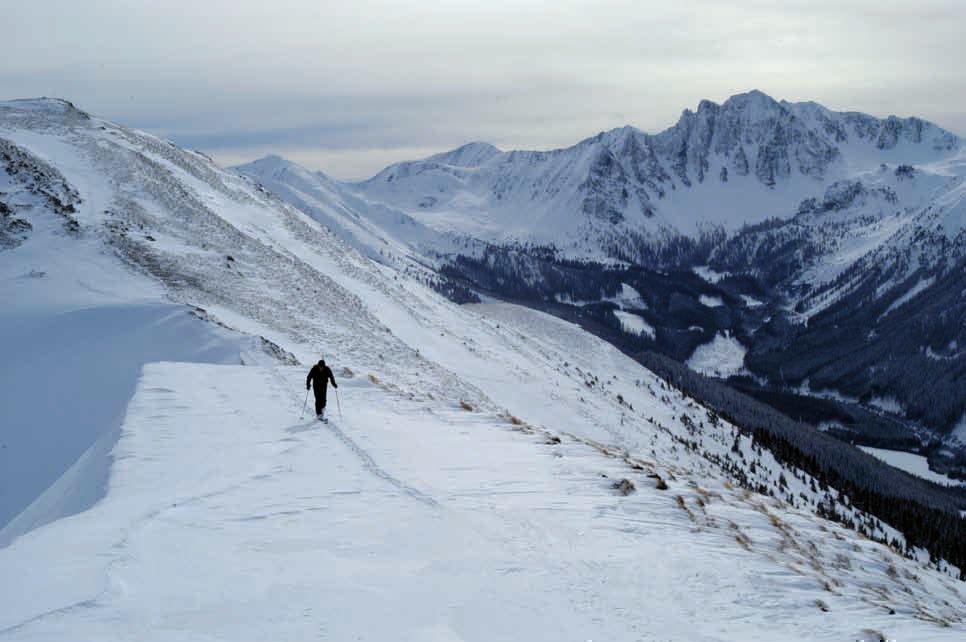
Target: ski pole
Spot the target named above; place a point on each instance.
(304, 403)
(338, 403)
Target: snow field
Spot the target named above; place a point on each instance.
(634, 323)
(76, 328)
(229, 518)
(723, 356)
(911, 463)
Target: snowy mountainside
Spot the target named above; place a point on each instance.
(722, 166)
(378, 231)
(807, 209)
(874, 272)
(143, 230)
(551, 452)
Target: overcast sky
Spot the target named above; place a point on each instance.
(351, 86)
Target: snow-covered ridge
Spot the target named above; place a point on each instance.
(381, 232)
(478, 473)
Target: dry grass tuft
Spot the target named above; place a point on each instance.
(465, 406)
(625, 487)
(743, 540)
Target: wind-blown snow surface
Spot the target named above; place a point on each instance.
(466, 491)
(408, 519)
(76, 328)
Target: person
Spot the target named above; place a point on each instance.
(319, 377)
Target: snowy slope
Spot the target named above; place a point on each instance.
(416, 520)
(841, 192)
(76, 327)
(468, 485)
(378, 231)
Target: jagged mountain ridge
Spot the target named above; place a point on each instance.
(745, 160)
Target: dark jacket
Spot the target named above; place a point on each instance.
(319, 377)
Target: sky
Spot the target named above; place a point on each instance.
(348, 87)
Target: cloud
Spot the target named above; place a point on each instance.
(359, 84)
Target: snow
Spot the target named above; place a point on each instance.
(723, 356)
(805, 390)
(709, 275)
(711, 301)
(404, 519)
(911, 463)
(952, 352)
(952, 204)
(959, 431)
(67, 381)
(74, 342)
(634, 324)
(751, 302)
(910, 294)
(408, 517)
(627, 297)
(888, 404)
(623, 184)
(378, 231)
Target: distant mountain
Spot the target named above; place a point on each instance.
(747, 160)
(376, 230)
(832, 244)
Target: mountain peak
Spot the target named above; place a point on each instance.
(270, 160)
(468, 155)
(275, 165)
(45, 106)
(754, 100)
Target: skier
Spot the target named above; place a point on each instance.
(319, 377)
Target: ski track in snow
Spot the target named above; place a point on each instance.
(367, 461)
(374, 468)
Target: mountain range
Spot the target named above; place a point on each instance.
(489, 470)
(824, 249)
